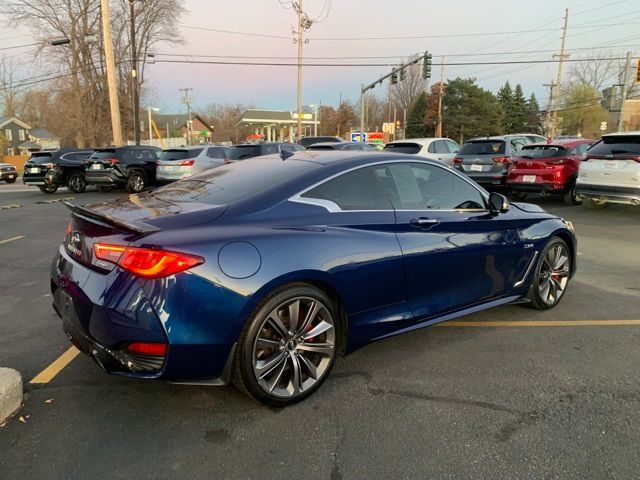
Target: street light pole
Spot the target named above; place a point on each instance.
(111, 74)
(300, 27)
(134, 74)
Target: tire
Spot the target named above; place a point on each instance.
(76, 183)
(597, 204)
(518, 196)
(10, 180)
(572, 198)
(105, 189)
(48, 188)
(136, 182)
(284, 369)
(551, 275)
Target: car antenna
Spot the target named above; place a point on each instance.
(284, 154)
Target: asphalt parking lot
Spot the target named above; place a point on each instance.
(508, 393)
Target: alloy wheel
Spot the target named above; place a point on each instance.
(554, 274)
(76, 184)
(294, 347)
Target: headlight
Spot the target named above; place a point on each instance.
(570, 226)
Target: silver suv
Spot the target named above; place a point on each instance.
(177, 163)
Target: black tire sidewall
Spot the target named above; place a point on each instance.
(48, 188)
(70, 179)
(130, 180)
(244, 355)
(534, 293)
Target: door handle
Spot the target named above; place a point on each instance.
(423, 222)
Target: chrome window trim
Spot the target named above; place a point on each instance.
(333, 207)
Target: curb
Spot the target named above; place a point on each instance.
(10, 392)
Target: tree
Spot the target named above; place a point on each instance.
(328, 120)
(533, 122)
(506, 99)
(347, 117)
(405, 92)
(469, 110)
(580, 110)
(224, 117)
(376, 113)
(431, 113)
(519, 111)
(596, 73)
(416, 119)
(3, 145)
(9, 89)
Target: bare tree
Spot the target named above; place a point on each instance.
(405, 92)
(596, 73)
(9, 90)
(224, 117)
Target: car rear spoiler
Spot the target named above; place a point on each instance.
(133, 227)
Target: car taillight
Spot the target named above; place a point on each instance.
(113, 161)
(68, 230)
(186, 163)
(147, 348)
(501, 159)
(457, 160)
(146, 262)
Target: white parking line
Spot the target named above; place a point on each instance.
(11, 239)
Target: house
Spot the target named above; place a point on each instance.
(15, 132)
(176, 125)
(44, 139)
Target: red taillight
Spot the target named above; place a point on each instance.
(186, 163)
(501, 159)
(68, 230)
(146, 262)
(457, 160)
(144, 348)
(113, 161)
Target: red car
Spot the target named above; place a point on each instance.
(548, 168)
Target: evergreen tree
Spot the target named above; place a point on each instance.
(519, 123)
(416, 118)
(533, 119)
(506, 99)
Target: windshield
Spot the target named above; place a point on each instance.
(41, 157)
(408, 147)
(169, 155)
(622, 145)
(483, 147)
(542, 151)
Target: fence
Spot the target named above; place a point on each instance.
(15, 160)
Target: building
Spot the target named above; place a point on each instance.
(276, 125)
(15, 133)
(176, 125)
(43, 139)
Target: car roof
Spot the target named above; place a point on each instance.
(190, 147)
(634, 133)
(563, 142)
(421, 141)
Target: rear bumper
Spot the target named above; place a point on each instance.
(104, 178)
(615, 194)
(33, 179)
(487, 179)
(550, 188)
(11, 174)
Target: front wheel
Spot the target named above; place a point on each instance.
(288, 346)
(135, 183)
(551, 275)
(76, 183)
(48, 188)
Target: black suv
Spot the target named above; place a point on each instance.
(49, 170)
(131, 166)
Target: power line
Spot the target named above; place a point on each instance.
(20, 46)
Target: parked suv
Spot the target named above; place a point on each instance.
(442, 149)
(357, 146)
(486, 160)
(49, 170)
(548, 168)
(177, 163)
(250, 150)
(131, 166)
(610, 171)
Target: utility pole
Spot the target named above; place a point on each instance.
(625, 79)
(363, 101)
(111, 74)
(547, 117)
(299, 11)
(561, 57)
(187, 99)
(438, 132)
(338, 133)
(134, 75)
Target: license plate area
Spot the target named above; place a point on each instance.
(609, 164)
(96, 166)
(34, 170)
(529, 178)
(476, 168)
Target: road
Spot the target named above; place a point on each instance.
(445, 402)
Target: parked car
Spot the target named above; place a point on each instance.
(249, 150)
(357, 146)
(486, 160)
(548, 168)
(177, 163)
(306, 141)
(441, 149)
(132, 166)
(8, 172)
(263, 271)
(532, 137)
(376, 146)
(49, 170)
(610, 171)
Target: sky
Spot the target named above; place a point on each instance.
(591, 23)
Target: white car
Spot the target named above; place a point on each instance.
(441, 149)
(177, 163)
(610, 171)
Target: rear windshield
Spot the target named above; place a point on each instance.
(320, 147)
(241, 152)
(407, 147)
(231, 183)
(217, 152)
(169, 155)
(41, 157)
(305, 142)
(623, 145)
(483, 147)
(542, 151)
(102, 154)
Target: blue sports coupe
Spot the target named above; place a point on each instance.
(261, 272)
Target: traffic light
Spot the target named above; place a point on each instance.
(403, 74)
(394, 78)
(426, 65)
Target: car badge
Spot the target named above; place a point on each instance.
(529, 164)
(75, 238)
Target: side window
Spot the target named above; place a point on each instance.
(356, 190)
(352, 147)
(268, 149)
(215, 153)
(453, 146)
(149, 156)
(432, 147)
(414, 186)
(516, 145)
(584, 147)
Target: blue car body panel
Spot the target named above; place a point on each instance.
(389, 276)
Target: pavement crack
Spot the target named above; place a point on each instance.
(336, 474)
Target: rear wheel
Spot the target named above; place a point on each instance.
(572, 198)
(288, 346)
(135, 183)
(48, 188)
(551, 276)
(76, 183)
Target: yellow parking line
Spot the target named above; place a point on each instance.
(540, 323)
(11, 239)
(46, 375)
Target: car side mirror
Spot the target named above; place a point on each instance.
(498, 203)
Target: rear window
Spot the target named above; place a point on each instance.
(320, 147)
(542, 151)
(306, 141)
(217, 152)
(176, 154)
(406, 147)
(240, 152)
(231, 183)
(485, 147)
(623, 145)
(102, 154)
(42, 157)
